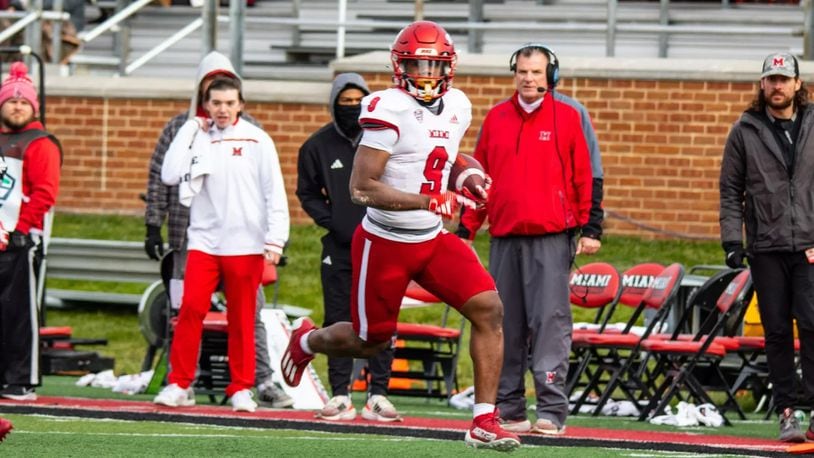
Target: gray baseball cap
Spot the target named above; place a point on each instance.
(780, 63)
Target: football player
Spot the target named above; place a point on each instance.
(411, 137)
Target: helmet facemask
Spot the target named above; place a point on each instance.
(425, 79)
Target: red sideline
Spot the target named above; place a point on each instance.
(575, 432)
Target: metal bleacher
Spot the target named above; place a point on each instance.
(287, 51)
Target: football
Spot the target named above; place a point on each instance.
(466, 173)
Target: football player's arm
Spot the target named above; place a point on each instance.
(367, 189)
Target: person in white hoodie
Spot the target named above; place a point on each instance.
(162, 205)
(228, 172)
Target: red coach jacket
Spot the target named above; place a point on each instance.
(540, 168)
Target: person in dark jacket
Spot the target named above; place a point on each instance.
(324, 168)
(534, 148)
(766, 187)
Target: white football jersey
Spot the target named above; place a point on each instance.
(425, 148)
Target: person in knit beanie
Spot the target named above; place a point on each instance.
(18, 85)
(30, 160)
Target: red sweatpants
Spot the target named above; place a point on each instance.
(241, 278)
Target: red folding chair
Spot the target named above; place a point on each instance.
(618, 355)
(596, 286)
(634, 284)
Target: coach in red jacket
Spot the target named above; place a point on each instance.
(29, 181)
(533, 147)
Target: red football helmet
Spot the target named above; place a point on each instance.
(424, 59)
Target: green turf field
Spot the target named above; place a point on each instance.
(37, 435)
(64, 437)
(48, 436)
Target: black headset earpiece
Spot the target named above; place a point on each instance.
(552, 71)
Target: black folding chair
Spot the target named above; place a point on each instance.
(691, 362)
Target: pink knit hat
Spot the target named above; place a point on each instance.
(19, 85)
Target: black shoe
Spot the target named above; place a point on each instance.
(790, 427)
(18, 393)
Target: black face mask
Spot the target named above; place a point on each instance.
(347, 119)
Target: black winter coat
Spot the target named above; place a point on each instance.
(760, 192)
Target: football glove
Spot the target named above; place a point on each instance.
(447, 204)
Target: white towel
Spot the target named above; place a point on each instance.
(200, 165)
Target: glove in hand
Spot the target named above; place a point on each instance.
(447, 204)
(153, 243)
(735, 254)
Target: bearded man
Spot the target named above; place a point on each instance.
(30, 161)
(766, 188)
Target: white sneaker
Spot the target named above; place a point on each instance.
(547, 427)
(515, 426)
(379, 408)
(337, 408)
(174, 396)
(242, 401)
(464, 400)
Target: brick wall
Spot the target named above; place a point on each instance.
(661, 143)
